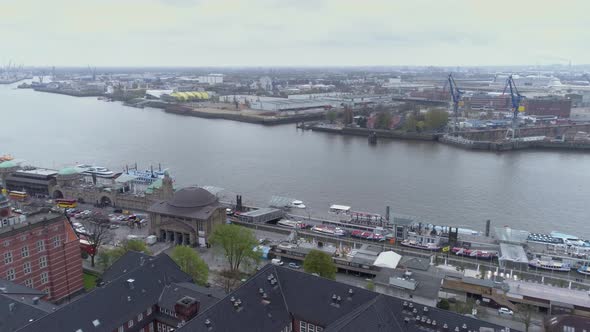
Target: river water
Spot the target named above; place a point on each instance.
(537, 191)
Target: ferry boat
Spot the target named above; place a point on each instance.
(550, 265)
(6, 157)
(365, 235)
(474, 253)
(291, 224)
(328, 230)
(414, 244)
(584, 269)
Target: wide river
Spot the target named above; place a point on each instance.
(536, 191)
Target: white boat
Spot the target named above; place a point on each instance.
(585, 269)
(550, 265)
(98, 170)
(298, 204)
(291, 223)
(415, 244)
(339, 209)
(328, 230)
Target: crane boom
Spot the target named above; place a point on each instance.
(515, 100)
(456, 94)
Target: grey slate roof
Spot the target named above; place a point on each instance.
(297, 295)
(174, 292)
(130, 261)
(114, 303)
(17, 307)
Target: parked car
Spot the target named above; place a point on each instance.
(276, 261)
(293, 266)
(113, 226)
(505, 311)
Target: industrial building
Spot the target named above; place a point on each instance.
(549, 105)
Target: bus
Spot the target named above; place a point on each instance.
(66, 203)
(17, 195)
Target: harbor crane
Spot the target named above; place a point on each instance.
(456, 94)
(515, 99)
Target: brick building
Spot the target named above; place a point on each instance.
(138, 293)
(40, 251)
(550, 105)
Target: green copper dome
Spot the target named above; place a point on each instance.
(69, 171)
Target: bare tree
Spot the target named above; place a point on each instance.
(98, 233)
(524, 314)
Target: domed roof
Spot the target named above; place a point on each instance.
(69, 171)
(192, 197)
(8, 164)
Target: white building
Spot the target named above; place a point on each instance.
(211, 79)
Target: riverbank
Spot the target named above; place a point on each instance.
(71, 93)
(240, 116)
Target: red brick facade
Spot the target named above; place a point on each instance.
(44, 255)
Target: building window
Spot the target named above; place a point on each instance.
(568, 329)
(56, 241)
(121, 328)
(130, 323)
(27, 267)
(149, 311)
(10, 274)
(24, 237)
(44, 278)
(42, 262)
(7, 243)
(47, 291)
(302, 327)
(24, 251)
(151, 327)
(40, 245)
(8, 257)
(310, 328)
(29, 283)
(140, 317)
(318, 329)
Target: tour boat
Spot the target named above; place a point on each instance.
(414, 244)
(474, 253)
(584, 269)
(367, 235)
(550, 265)
(328, 230)
(291, 223)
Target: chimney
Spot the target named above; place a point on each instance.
(35, 300)
(186, 308)
(130, 283)
(11, 306)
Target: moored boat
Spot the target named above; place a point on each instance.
(550, 265)
(291, 224)
(366, 235)
(474, 253)
(584, 269)
(416, 245)
(328, 230)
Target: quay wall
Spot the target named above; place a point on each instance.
(243, 118)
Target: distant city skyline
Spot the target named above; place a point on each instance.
(266, 33)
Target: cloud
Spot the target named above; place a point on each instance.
(293, 32)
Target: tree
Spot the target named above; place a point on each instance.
(321, 263)
(237, 243)
(108, 257)
(370, 285)
(443, 304)
(524, 314)
(410, 124)
(97, 235)
(331, 116)
(190, 262)
(383, 120)
(436, 119)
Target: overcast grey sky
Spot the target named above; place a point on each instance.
(293, 32)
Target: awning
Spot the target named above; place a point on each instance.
(388, 259)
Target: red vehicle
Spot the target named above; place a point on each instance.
(86, 247)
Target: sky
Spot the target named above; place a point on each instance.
(264, 33)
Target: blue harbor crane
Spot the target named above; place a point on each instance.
(515, 99)
(456, 94)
